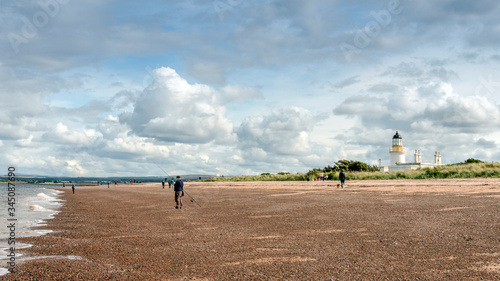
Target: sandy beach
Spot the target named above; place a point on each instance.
(371, 230)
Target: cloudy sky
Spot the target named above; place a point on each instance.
(231, 87)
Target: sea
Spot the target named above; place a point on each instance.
(34, 205)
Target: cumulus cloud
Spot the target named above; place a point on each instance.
(282, 132)
(25, 142)
(123, 100)
(425, 100)
(130, 146)
(434, 105)
(12, 131)
(170, 109)
(61, 134)
(470, 114)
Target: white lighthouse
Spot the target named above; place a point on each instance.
(397, 151)
(398, 157)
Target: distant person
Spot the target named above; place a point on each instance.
(342, 178)
(73, 188)
(178, 189)
(308, 178)
(108, 184)
(163, 184)
(169, 183)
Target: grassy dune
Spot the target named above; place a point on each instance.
(469, 170)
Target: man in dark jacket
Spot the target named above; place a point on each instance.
(342, 178)
(178, 189)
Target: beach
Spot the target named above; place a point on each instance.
(371, 230)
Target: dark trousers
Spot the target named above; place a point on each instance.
(178, 198)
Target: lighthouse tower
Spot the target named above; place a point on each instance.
(397, 150)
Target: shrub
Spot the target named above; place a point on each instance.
(432, 173)
(472, 160)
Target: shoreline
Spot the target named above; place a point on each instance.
(34, 205)
(389, 229)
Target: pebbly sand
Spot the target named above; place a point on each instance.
(371, 230)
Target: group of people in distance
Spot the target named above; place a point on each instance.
(169, 181)
(341, 178)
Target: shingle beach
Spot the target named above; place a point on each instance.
(371, 230)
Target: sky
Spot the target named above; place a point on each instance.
(233, 87)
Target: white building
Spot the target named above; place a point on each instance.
(398, 157)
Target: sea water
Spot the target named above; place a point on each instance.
(34, 204)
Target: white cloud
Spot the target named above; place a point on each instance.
(433, 105)
(170, 109)
(61, 134)
(124, 146)
(471, 114)
(25, 142)
(73, 167)
(281, 132)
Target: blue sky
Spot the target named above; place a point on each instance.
(106, 88)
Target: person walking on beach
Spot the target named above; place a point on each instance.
(163, 184)
(178, 189)
(73, 188)
(342, 178)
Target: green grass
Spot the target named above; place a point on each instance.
(461, 170)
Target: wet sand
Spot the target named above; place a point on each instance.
(371, 230)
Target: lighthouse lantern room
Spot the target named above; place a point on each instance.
(397, 150)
